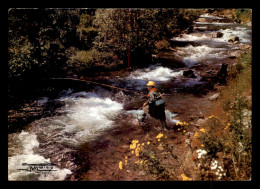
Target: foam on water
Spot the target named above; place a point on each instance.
(83, 117)
(155, 73)
(192, 55)
(241, 32)
(28, 142)
(215, 23)
(191, 37)
(210, 16)
(169, 115)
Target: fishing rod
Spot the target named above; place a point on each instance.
(97, 84)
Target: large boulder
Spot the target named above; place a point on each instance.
(189, 73)
(219, 35)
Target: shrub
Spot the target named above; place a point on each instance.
(229, 136)
(80, 61)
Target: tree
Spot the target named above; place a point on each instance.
(38, 39)
(146, 27)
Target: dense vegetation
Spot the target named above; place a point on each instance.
(46, 43)
(54, 42)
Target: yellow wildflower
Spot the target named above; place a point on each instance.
(203, 130)
(212, 116)
(120, 165)
(196, 135)
(202, 145)
(185, 123)
(133, 145)
(184, 177)
(126, 160)
(160, 135)
(148, 142)
(137, 150)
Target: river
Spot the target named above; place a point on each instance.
(83, 116)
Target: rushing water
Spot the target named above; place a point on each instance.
(84, 116)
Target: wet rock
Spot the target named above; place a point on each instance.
(135, 122)
(219, 34)
(233, 39)
(214, 97)
(202, 28)
(202, 20)
(189, 73)
(216, 35)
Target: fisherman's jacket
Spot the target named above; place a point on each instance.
(153, 95)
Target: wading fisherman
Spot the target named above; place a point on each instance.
(155, 105)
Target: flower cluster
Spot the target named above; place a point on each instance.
(227, 126)
(182, 123)
(159, 136)
(201, 153)
(136, 148)
(203, 130)
(212, 116)
(219, 170)
(185, 178)
(196, 134)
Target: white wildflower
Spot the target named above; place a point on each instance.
(214, 165)
(201, 153)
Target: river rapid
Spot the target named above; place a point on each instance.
(83, 116)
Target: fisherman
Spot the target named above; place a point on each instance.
(155, 105)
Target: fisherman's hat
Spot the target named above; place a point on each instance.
(151, 83)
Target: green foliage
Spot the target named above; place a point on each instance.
(47, 32)
(146, 27)
(244, 15)
(80, 61)
(232, 140)
(212, 140)
(20, 57)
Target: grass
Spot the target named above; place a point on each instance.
(228, 132)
